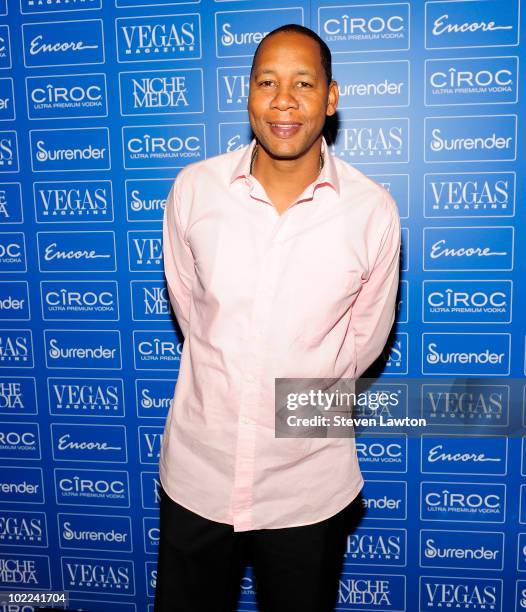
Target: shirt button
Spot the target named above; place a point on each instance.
(245, 421)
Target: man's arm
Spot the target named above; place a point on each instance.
(374, 309)
(178, 259)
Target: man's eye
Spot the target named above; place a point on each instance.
(265, 83)
(305, 84)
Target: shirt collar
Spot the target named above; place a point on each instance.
(327, 176)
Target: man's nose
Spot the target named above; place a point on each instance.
(284, 99)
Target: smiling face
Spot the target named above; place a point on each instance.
(289, 97)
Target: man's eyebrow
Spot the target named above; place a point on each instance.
(300, 71)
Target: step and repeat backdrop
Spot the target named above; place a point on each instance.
(102, 102)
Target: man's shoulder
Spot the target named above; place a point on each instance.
(358, 185)
(216, 168)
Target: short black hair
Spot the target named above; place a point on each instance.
(325, 52)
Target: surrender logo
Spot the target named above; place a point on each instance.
(479, 550)
(146, 198)
(84, 531)
(21, 485)
(7, 100)
(70, 149)
(83, 349)
(457, 355)
(163, 146)
(471, 138)
(371, 141)
(154, 397)
(385, 499)
(238, 33)
(372, 84)
(359, 28)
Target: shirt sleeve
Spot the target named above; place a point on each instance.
(178, 259)
(373, 312)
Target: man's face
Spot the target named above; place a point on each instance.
(289, 97)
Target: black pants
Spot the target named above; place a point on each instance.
(201, 563)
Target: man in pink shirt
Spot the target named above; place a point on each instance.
(281, 262)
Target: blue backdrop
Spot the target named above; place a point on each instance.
(101, 103)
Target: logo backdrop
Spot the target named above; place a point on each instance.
(101, 104)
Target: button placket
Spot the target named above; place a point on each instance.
(242, 494)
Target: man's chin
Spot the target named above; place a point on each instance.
(282, 151)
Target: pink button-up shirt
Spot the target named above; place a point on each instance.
(309, 293)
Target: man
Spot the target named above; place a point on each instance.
(281, 261)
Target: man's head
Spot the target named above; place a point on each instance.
(291, 91)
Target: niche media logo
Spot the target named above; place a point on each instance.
(11, 209)
(18, 395)
(157, 92)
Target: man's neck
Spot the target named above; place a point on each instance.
(286, 179)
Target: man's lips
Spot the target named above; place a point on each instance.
(284, 129)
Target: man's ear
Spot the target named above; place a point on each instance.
(333, 97)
